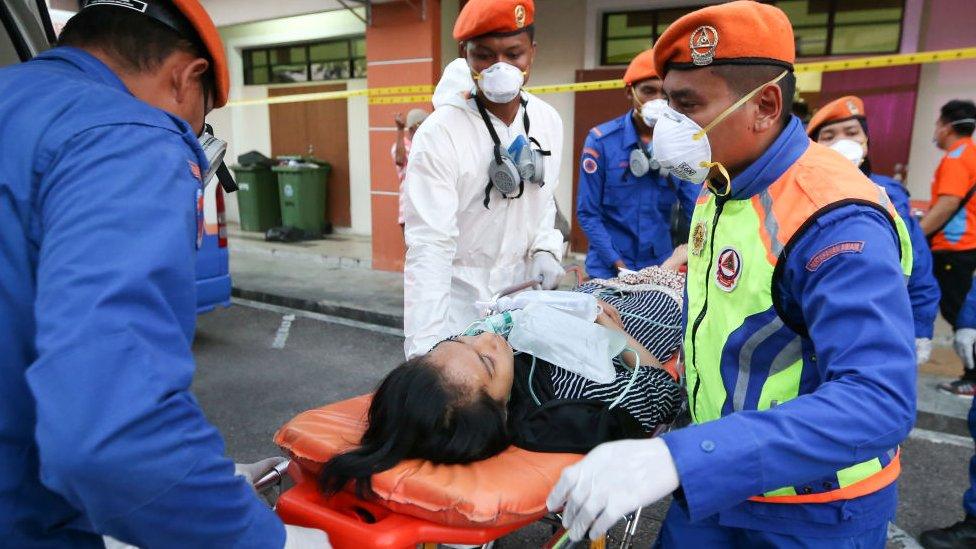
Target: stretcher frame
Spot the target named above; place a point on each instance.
(289, 504)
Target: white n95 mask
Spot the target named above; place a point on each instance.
(652, 110)
(501, 82)
(567, 342)
(849, 149)
(682, 147)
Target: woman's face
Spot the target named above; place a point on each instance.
(848, 129)
(484, 361)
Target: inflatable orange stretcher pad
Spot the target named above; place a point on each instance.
(509, 488)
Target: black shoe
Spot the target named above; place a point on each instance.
(962, 387)
(961, 535)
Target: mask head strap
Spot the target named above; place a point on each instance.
(963, 121)
(742, 101)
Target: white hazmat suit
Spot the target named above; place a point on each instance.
(459, 252)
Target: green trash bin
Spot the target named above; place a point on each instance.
(257, 197)
(301, 191)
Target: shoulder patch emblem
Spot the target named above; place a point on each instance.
(849, 247)
(589, 165)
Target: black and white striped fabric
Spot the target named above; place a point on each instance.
(653, 318)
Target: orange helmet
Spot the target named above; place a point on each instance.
(190, 21)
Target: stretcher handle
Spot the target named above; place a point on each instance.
(518, 288)
(575, 269)
(272, 478)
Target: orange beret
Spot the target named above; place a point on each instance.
(194, 24)
(207, 31)
(837, 110)
(480, 17)
(740, 32)
(641, 68)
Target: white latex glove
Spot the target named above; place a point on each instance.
(254, 471)
(965, 344)
(299, 537)
(614, 479)
(923, 350)
(544, 265)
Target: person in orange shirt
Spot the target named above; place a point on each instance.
(950, 223)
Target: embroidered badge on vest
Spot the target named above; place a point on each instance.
(728, 269)
(850, 247)
(698, 238)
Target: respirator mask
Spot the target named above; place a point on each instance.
(849, 149)
(501, 82)
(510, 168)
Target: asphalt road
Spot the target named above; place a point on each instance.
(259, 367)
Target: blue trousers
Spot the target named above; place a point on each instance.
(679, 532)
(969, 499)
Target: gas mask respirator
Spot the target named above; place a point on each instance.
(215, 149)
(510, 168)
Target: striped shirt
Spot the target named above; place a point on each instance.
(653, 318)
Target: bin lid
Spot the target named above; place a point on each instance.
(301, 168)
(249, 168)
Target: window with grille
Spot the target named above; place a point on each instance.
(820, 28)
(310, 62)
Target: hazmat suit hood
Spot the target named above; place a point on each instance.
(455, 86)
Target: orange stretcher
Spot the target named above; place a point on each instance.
(416, 502)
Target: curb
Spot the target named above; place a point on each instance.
(330, 261)
(322, 307)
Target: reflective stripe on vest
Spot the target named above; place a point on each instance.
(740, 354)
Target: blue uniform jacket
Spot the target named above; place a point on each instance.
(625, 217)
(923, 291)
(98, 429)
(857, 390)
(967, 313)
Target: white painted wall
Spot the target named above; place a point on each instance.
(559, 25)
(247, 127)
(232, 12)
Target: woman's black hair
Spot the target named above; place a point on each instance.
(417, 413)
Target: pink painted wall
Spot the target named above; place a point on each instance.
(946, 24)
(889, 96)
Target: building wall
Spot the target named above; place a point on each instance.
(561, 52)
(945, 24)
(247, 127)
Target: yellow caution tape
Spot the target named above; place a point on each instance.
(596, 85)
(888, 60)
(421, 93)
(345, 94)
(425, 98)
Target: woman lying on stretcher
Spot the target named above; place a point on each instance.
(472, 396)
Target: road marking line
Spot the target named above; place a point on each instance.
(282, 336)
(897, 535)
(318, 316)
(940, 438)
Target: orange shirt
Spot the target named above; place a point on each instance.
(955, 175)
